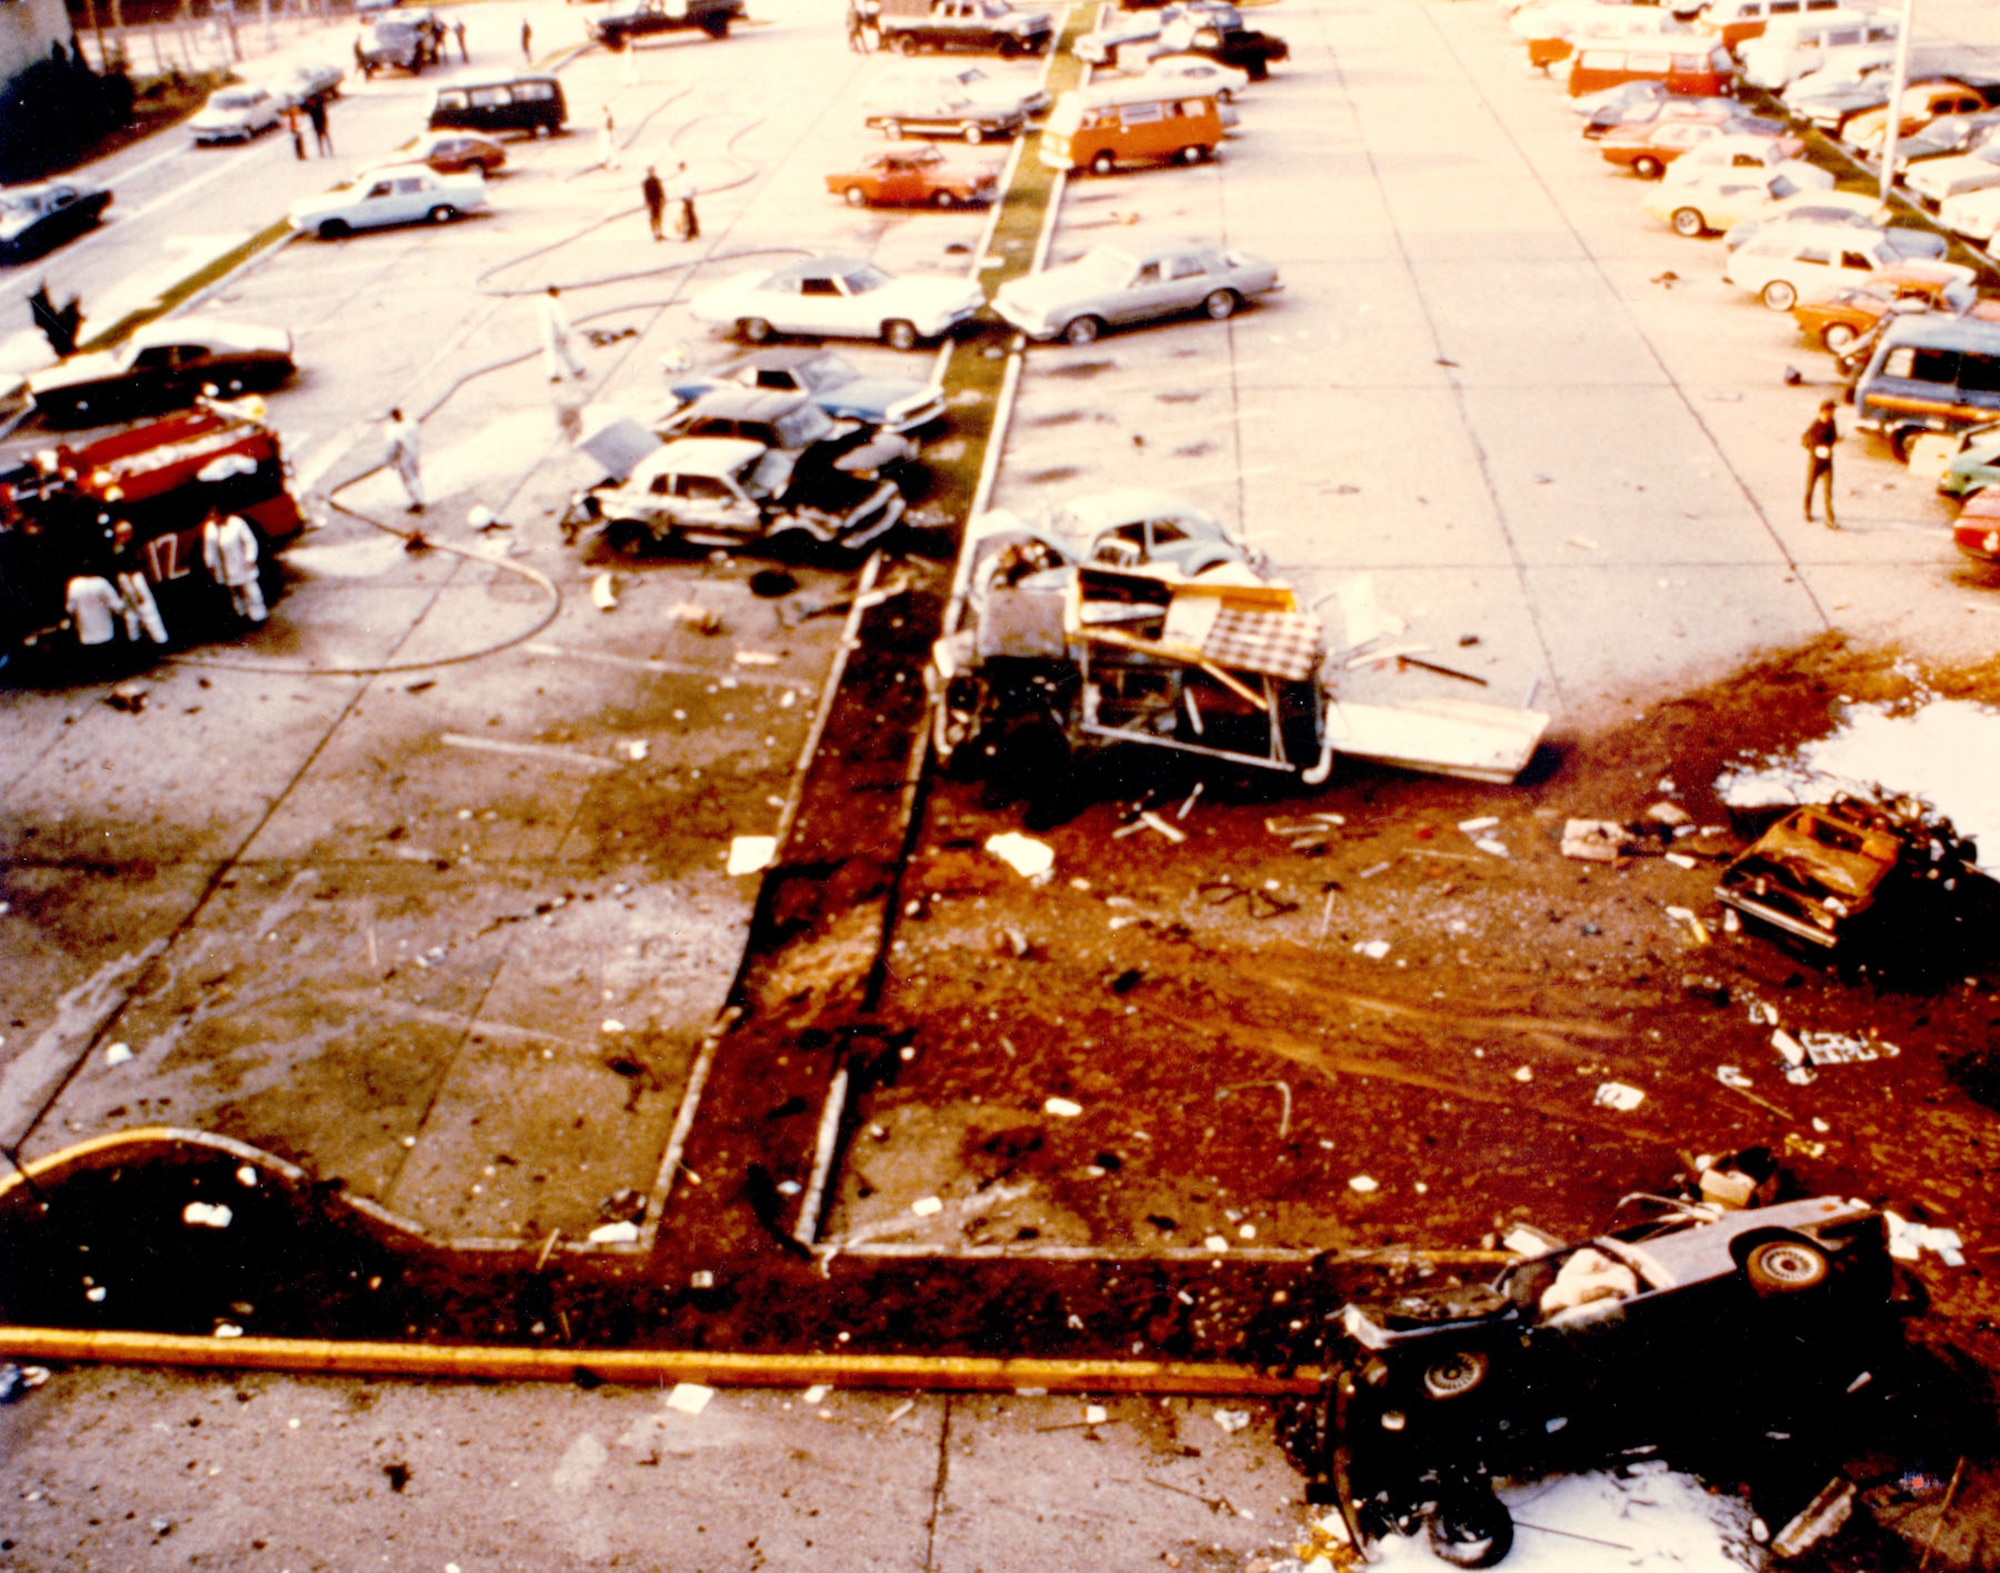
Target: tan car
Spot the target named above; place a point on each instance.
(1836, 320)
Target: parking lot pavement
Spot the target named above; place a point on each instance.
(118, 1466)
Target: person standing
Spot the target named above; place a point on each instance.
(322, 138)
(628, 63)
(685, 220)
(857, 29)
(458, 32)
(298, 136)
(400, 454)
(94, 608)
(229, 551)
(142, 612)
(607, 141)
(1819, 439)
(527, 42)
(654, 193)
(557, 353)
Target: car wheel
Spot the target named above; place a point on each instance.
(1688, 222)
(1836, 336)
(1647, 167)
(899, 335)
(1221, 305)
(1224, 96)
(973, 135)
(1193, 155)
(1083, 331)
(906, 45)
(1009, 49)
(1103, 164)
(893, 130)
(543, 131)
(1472, 1530)
(443, 213)
(1454, 1375)
(944, 199)
(1903, 440)
(1779, 295)
(856, 197)
(1786, 1267)
(716, 27)
(334, 229)
(755, 329)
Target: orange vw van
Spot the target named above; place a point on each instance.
(1101, 127)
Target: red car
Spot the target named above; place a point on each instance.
(1648, 149)
(1977, 532)
(455, 152)
(915, 174)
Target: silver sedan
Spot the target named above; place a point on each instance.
(1132, 281)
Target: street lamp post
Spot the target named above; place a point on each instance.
(1892, 133)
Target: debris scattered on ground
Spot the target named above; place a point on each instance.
(1373, 949)
(756, 658)
(925, 1206)
(814, 1394)
(1026, 856)
(206, 1215)
(1840, 1048)
(637, 750)
(16, 1381)
(117, 1053)
(1364, 1184)
(751, 854)
(1062, 1106)
(129, 697)
(1230, 1421)
(1908, 1241)
(614, 1234)
(689, 1398)
(1095, 1414)
(604, 591)
(1595, 840)
(1616, 1095)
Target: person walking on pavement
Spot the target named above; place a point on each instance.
(458, 32)
(654, 193)
(607, 141)
(322, 138)
(298, 136)
(400, 454)
(556, 351)
(229, 550)
(1819, 439)
(527, 42)
(142, 612)
(685, 220)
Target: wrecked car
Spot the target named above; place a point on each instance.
(890, 404)
(1134, 619)
(1823, 872)
(1651, 1338)
(731, 492)
(821, 448)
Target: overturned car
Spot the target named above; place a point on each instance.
(1695, 1332)
(1132, 618)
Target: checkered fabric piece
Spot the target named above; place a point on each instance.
(1280, 644)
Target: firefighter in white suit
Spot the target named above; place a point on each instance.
(229, 548)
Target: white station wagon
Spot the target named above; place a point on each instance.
(1788, 261)
(401, 194)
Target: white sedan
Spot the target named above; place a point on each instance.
(1788, 261)
(839, 297)
(1132, 281)
(1975, 214)
(1941, 179)
(234, 114)
(1197, 71)
(1701, 201)
(403, 194)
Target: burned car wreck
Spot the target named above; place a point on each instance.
(1132, 618)
(1700, 1337)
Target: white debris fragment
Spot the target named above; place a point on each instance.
(246, 1176)
(622, 1233)
(1492, 848)
(1231, 1420)
(1364, 1185)
(611, 1027)
(117, 1053)
(1841, 1048)
(1095, 1414)
(925, 1206)
(207, 1215)
(1483, 822)
(1373, 949)
(1730, 1076)
(755, 658)
(814, 1394)
(1152, 821)
(1215, 1242)
(228, 1330)
(637, 750)
(1793, 1051)
(1680, 860)
(604, 592)
(1026, 856)
(751, 854)
(1616, 1095)
(689, 1398)
(1062, 1106)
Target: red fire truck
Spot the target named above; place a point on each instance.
(60, 508)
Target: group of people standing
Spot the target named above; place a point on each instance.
(120, 596)
(315, 109)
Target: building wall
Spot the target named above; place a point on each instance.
(27, 28)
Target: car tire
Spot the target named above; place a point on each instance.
(1689, 224)
(944, 199)
(717, 27)
(1786, 1266)
(856, 197)
(900, 335)
(1221, 304)
(443, 213)
(754, 330)
(1456, 1374)
(1471, 1530)
(1903, 441)
(1084, 330)
(1224, 96)
(544, 131)
(1646, 167)
(1103, 164)
(905, 45)
(973, 134)
(1195, 154)
(334, 229)
(1836, 336)
(1779, 295)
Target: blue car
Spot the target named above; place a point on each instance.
(889, 404)
(1975, 465)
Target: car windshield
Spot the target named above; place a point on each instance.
(19, 203)
(1105, 266)
(806, 424)
(236, 100)
(865, 278)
